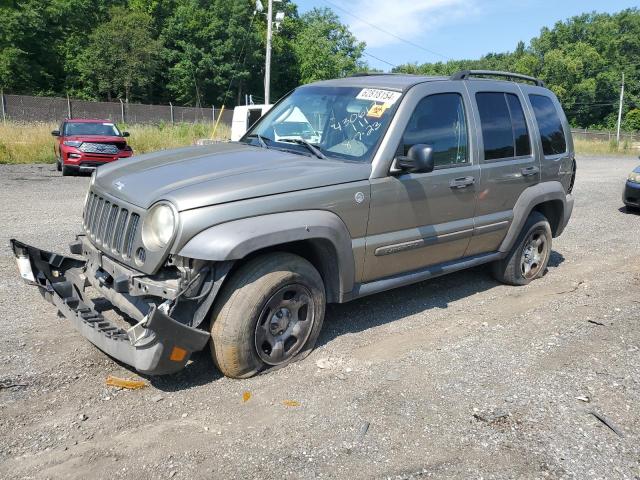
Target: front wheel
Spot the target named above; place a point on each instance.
(269, 314)
(529, 257)
(67, 171)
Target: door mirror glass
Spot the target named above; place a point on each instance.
(125, 134)
(419, 159)
(55, 133)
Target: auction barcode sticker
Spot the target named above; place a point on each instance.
(388, 97)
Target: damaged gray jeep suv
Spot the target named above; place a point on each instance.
(345, 188)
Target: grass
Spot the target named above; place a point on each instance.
(599, 147)
(33, 143)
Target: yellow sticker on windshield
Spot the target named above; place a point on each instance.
(377, 111)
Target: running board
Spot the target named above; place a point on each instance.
(433, 271)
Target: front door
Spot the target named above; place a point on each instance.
(422, 219)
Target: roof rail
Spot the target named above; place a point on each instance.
(370, 74)
(465, 74)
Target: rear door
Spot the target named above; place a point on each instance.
(509, 160)
(553, 135)
(421, 219)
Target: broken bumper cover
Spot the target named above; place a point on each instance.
(158, 345)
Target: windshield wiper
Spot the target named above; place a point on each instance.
(312, 148)
(261, 140)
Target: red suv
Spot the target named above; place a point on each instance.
(84, 145)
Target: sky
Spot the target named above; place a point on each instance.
(402, 31)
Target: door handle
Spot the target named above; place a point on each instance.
(462, 182)
(528, 171)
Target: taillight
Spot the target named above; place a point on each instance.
(573, 175)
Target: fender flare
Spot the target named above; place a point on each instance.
(528, 200)
(236, 239)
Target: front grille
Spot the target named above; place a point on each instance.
(104, 148)
(110, 226)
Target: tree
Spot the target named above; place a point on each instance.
(325, 48)
(632, 120)
(122, 54)
(581, 60)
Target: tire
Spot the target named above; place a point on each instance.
(533, 248)
(256, 322)
(58, 165)
(67, 171)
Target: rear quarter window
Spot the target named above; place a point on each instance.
(549, 124)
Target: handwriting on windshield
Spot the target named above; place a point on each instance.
(356, 126)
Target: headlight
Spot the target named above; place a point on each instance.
(159, 226)
(634, 177)
(72, 143)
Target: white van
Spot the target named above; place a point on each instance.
(245, 116)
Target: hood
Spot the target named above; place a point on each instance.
(96, 138)
(195, 177)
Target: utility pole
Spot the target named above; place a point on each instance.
(620, 109)
(267, 68)
(278, 21)
(3, 107)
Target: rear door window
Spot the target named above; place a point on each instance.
(520, 132)
(504, 128)
(549, 124)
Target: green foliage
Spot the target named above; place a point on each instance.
(189, 52)
(581, 60)
(121, 54)
(197, 52)
(325, 48)
(632, 120)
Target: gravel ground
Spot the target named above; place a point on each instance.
(458, 377)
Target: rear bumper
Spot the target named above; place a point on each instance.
(631, 194)
(157, 345)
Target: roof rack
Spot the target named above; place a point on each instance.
(465, 74)
(371, 74)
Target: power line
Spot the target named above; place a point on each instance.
(409, 42)
(236, 63)
(379, 59)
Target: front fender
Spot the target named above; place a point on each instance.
(236, 239)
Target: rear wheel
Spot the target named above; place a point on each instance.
(529, 257)
(269, 314)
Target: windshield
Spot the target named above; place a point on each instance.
(84, 128)
(340, 122)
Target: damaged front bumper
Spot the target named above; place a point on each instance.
(156, 345)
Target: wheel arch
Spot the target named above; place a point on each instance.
(319, 236)
(548, 198)
(553, 210)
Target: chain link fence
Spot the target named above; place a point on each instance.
(604, 136)
(25, 108)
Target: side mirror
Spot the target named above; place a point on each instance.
(55, 133)
(419, 159)
(125, 134)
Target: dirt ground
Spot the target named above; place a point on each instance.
(458, 377)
